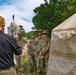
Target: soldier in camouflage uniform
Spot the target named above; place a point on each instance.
(45, 48)
(38, 42)
(20, 67)
(31, 62)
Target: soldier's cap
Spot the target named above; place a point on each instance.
(45, 31)
(39, 30)
(2, 21)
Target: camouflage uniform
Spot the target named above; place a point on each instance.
(45, 49)
(31, 62)
(20, 67)
(38, 42)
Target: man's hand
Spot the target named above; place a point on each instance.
(24, 50)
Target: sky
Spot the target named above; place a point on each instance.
(23, 11)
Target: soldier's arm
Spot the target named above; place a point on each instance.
(24, 50)
(47, 48)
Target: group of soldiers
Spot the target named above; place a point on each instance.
(38, 50)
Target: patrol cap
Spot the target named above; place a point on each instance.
(39, 30)
(45, 31)
(2, 21)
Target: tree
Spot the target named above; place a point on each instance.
(29, 34)
(49, 15)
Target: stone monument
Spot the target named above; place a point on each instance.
(13, 29)
(62, 56)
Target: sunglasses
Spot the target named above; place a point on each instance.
(3, 25)
(44, 33)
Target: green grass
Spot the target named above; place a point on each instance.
(26, 59)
